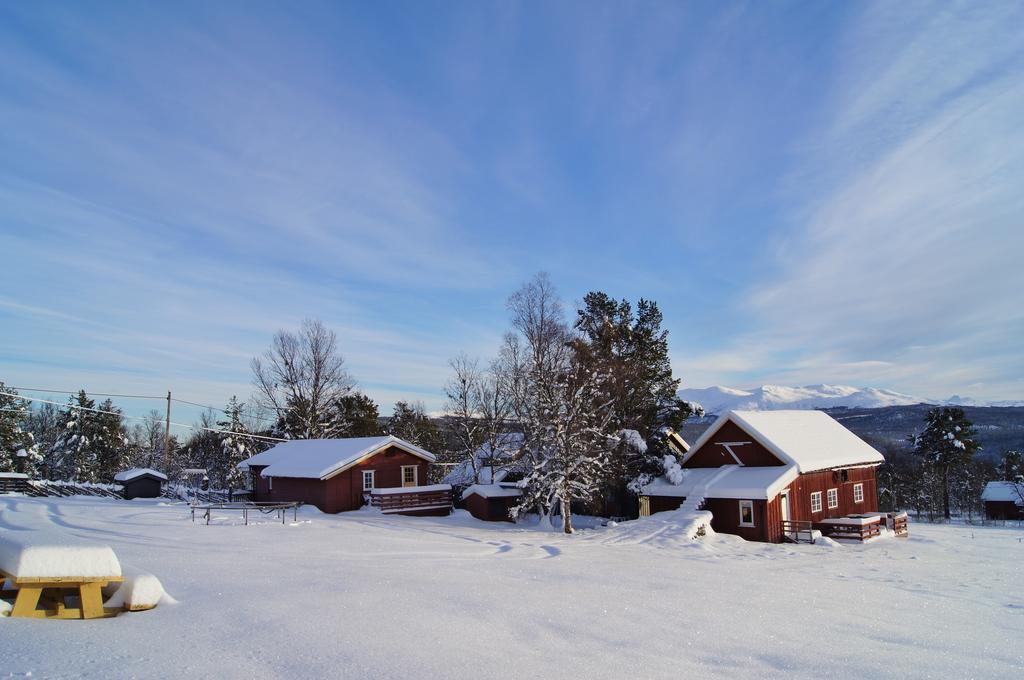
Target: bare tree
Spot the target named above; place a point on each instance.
(556, 395)
(478, 410)
(301, 378)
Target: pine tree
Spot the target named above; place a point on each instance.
(947, 444)
(71, 457)
(411, 423)
(234, 448)
(18, 448)
(357, 415)
(110, 443)
(1011, 468)
(631, 350)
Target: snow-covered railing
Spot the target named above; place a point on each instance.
(412, 498)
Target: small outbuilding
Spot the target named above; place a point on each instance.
(1003, 500)
(141, 482)
(492, 502)
(337, 475)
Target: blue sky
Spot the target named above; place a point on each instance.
(813, 192)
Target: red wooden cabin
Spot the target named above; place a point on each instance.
(756, 470)
(337, 475)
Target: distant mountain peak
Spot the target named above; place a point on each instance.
(718, 399)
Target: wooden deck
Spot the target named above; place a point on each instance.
(798, 531)
(415, 500)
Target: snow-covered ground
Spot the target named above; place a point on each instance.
(364, 595)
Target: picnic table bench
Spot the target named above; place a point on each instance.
(41, 569)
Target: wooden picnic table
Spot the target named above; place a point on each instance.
(44, 597)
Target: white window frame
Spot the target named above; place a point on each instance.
(858, 493)
(373, 479)
(415, 474)
(270, 483)
(749, 504)
(816, 501)
(833, 499)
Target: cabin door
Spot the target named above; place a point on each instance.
(784, 505)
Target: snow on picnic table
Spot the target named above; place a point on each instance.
(365, 595)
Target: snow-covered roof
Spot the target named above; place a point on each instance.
(323, 458)
(728, 481)
(811, 440)
(492, 491)
(127, 475)
(13, 475)
(1003, 491)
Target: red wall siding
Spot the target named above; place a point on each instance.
(343, 491)
(491, 509)
(726, 519)
(804, 485)
(711, 454)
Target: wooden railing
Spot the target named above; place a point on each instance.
(837, 528)
(412, 499)
(898, 523)
(797, 530)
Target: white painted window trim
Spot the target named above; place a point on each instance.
(833, 499)
(373, 479)
(270, 483)
(816, 501)
(751, 522)
(415, 474)
(858, 493)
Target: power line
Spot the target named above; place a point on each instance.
(122, 415)
(249, 414)
(94, 394)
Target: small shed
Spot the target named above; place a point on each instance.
(1003, 500)
(492, 502)
(141, 482)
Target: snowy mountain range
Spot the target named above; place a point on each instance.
(719, 399)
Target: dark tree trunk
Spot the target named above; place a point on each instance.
(945, 491)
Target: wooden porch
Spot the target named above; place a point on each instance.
(413, 500)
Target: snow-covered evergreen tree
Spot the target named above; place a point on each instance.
(1011, 468)
(235, 447)
(411, 423)
(92, 445)
(110, 443)
(18, 449)
(946, 444)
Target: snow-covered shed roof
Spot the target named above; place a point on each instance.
(323, 458)
(810, 440)
(1003, 491)
(728, 481)
(492, 491)
(128, 475)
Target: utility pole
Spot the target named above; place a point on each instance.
(167, 437)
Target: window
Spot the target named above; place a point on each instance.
(833, 498)
(746, 513)
(409, 475)
(858, 493)
(367, 480)
(270, 483)
(816, 501)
